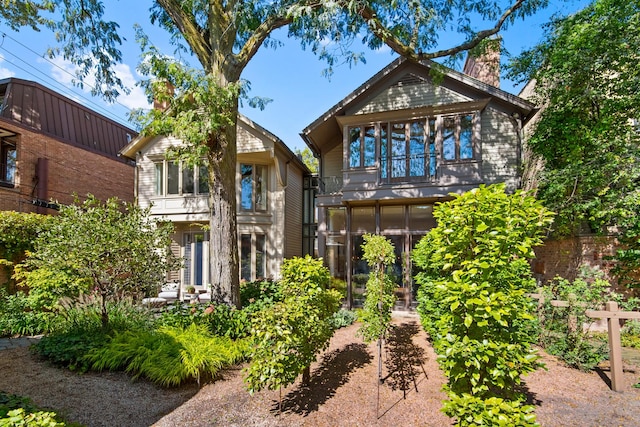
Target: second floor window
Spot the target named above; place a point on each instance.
(412, 149)
(174, 178)
(362, 146)
(457, 137)
(7, 163)
(253, 187)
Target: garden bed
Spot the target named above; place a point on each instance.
(343, 391)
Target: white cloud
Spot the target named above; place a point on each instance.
(136, 98)
(5, 72)
(64, 72)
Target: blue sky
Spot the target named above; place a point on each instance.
(289, 76)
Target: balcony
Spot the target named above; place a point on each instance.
(412, 168)
(330, 185)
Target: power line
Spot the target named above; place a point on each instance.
(57, 83)
(61, 89)
(56, 65)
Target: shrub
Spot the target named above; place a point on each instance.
(343, 318)
(378, 252)
(221, 319)
(18, 232)
(289, 334)
(630, 336)
(19, 418)
(226, 321)
(20, 411)
(79, 330)
(168, 356)
(566, 331)
(474, 279)
(17, 317)
(473, 411)
(260, 292)
(339, 285)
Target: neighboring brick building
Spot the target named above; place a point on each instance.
(565, 257)
(52, 148)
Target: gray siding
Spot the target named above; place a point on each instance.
(500, 154)
(293, 214)
(411, 96)
(333, 161)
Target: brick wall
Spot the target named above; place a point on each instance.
(564, 257)
(70, 170)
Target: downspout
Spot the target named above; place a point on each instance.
(520, 132)
(348, 256)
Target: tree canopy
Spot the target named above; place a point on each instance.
(586, 76)
(223, 37)
(110, 250)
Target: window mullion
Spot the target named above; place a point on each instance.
(362, 150)
(457, 138)
(407, 149)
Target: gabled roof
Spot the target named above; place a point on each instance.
(140, 142)
(33, 106)
(325, 129)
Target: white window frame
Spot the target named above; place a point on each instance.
(254, 188)
(163, 174)
(253, 256)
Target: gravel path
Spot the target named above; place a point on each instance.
(343, 392)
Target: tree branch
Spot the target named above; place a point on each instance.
(380, 31)
(259, 36)
(192, 32)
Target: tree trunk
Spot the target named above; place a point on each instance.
(104, 315)
(306, 376)
(224, 268)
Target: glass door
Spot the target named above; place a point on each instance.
(195, 261)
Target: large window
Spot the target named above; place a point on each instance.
(7, 163)
(174, 178)
(410, 150)
(253, 259)
(457, 137)
(253, 187)
(362, 146)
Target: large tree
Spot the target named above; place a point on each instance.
(224, 36)
(587, 77)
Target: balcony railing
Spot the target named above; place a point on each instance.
(331, 184)
(393, 170)
(415, 167)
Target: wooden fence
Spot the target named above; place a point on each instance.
(613, 315)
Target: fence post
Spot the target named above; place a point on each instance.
(615, 347)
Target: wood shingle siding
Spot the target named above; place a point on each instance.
(500, 156)
(411, 96)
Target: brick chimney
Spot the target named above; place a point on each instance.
(164, 105)
(484, 64)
